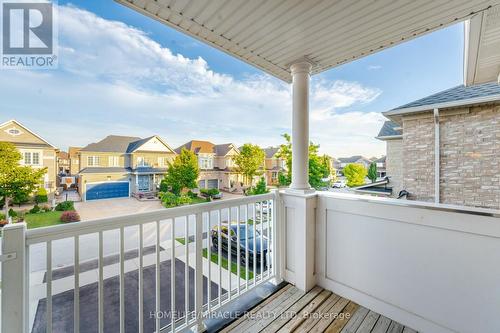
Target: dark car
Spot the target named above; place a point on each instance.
(243, 237)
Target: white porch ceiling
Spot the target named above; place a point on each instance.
(271, 34)
(482, 47)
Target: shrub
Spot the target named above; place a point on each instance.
(35, 210)
(2, 216)
(260, 188)
(163, 186)
(192, 195)
(209, 192)
(70, 216)
(65, 205)
(12, 213)
(41, 196)
(169, 199)
(46, 208)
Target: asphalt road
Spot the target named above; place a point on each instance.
(62, 306)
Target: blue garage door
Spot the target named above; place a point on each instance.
(107, 190)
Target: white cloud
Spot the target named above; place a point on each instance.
(114, 79)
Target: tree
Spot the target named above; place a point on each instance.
(249, 161)
(355, 174)
(182, 173)
(260, 188)
(317, 167)
(16, 181)
(372, 172)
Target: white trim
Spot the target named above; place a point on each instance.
(437, 161)
(159, 139)
(27, 129)
(452, 104)
(389, 137)
(473, 31)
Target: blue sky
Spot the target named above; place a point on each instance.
(124, 73)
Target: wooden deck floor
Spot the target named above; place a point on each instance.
(290, 310)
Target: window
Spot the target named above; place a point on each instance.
(114, 161)
(31, 158)
(141, 162)
(13, 131)
(162, 161)
(93, 161)
(206, 162)
(274, 175)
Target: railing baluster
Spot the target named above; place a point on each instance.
(238, 246)
(101, 285)
(157, 277)
(122, 280)
(261, 240)
(186, 271)
(209, 257)
(49, 287)
(219, 248)
(199, 273)
(141, 278)
(172, 276)
(275, 265)
(229, 249)
(254, 215)
(247, 227)
(76, 288)
(268, 234)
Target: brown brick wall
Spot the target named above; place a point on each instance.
(469, 156)
(394, 165)
(418, 157)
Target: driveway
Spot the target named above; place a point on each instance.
(63, 303)
(97, 209)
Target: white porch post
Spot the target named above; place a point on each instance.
(300, 126)
(299, 201)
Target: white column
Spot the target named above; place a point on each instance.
(300, 126)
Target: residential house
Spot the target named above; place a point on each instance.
(121, 166)
(391, 134)
(273, 165)
(74, 160)
(448, 151)
(217, 168)
(381, 166)
(63, 163)
(35, 151)
(358, 159)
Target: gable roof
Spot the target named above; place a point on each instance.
(352, 159)
(224, 149)
(458, 96)
(133, 146)
(271, 151)
(112, 144)
(197, 147)
(28, 130)
(390, 129)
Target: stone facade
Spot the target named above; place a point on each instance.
(469, 156)
(394, 165)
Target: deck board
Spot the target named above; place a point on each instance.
(319, 310)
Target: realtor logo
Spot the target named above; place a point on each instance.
(28, 35)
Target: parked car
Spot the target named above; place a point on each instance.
(259, 248)
(339, 184)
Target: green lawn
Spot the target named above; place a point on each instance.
(224, 261)
(198, 200)
(43, 219)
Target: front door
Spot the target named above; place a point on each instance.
(143, 183)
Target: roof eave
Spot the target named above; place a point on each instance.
(396, 113)
(389, 137)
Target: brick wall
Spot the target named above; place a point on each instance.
(418, 156)
(394, 165)
(469, 154)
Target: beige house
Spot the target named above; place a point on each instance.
(63, 163)
(444, 148)
(273, 165)
(121, 166)
(217, 168)
(74, 160)
(35, 151)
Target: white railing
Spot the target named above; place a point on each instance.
(130, 260)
